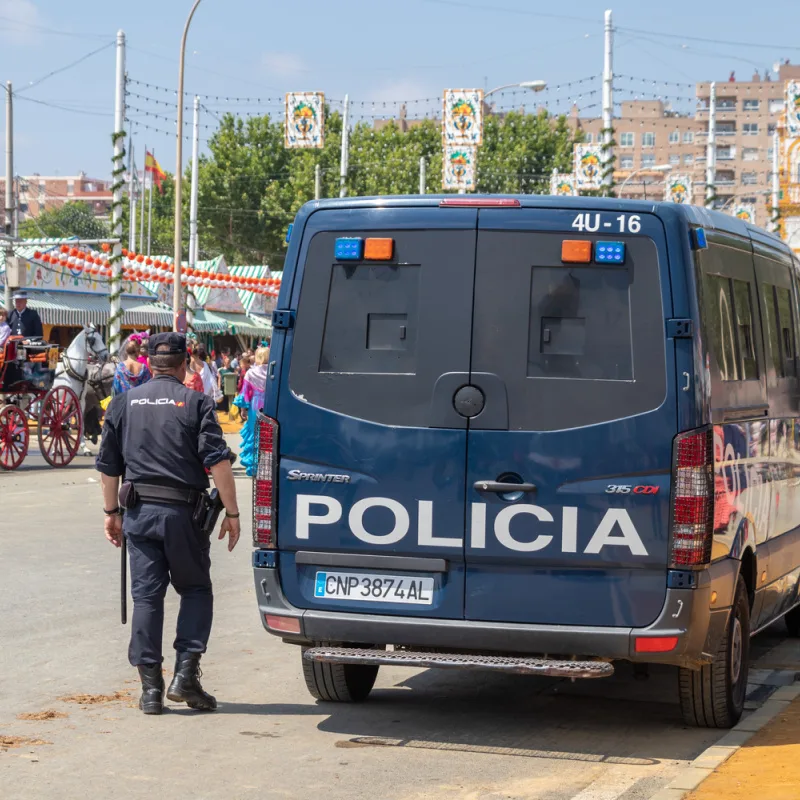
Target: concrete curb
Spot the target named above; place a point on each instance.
(712, 757)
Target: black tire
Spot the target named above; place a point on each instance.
(339, 683)
(714, 695)
(793, 622)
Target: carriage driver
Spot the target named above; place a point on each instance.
(162, 437)
(24, 321)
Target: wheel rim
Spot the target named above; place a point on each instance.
(14, 437)
(736, 650)
(60, 426)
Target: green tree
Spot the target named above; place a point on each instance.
(520, 151)
(70, 219)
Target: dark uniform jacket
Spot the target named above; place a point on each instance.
(162, 432)
(26, 323)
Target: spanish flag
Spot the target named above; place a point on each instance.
(154, 168)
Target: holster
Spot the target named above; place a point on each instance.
(207, 511)
(128, 498)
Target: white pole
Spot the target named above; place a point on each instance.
(150, 213)
(608, 103)
(9, 186)
(317, 182)
(15, 231)
(191, 302)
(177, 261)
(144, 197)
(115, 315)
(345, 147)
(423, 175)
(776, 184)
(195, 184)
(711, 149)
(131, 198)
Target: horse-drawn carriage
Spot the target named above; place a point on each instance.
(38, 386)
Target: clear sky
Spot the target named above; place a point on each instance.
(379, 52)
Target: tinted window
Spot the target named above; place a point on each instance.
(729, 317)
(372, 339)
(743, 306)
(783, 302)
(580, 324)
(719, 325)
(372, 321)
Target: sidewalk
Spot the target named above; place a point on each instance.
(766, 766)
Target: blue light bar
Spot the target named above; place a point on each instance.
(289, 231)
(609, 252)
(700, 240)
(349, 249)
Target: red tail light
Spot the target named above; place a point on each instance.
(265, 485)
(692, 499)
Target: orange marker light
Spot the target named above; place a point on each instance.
(378, 249)
(576, 251)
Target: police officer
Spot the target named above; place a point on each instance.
(161, 437)
(24, 321)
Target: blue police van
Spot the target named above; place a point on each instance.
(532, 434)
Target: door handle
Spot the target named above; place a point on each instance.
(503, 488)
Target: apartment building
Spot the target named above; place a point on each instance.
(747, 114)
(649, 134)
(38, 193)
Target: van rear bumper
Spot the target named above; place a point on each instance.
(687, 614)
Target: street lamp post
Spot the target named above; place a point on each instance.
(534, 86)
(176, 292)
(654, 168)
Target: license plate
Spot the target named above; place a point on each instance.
(373, 588)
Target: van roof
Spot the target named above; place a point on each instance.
(694, 215)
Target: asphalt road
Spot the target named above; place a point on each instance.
(422, 734)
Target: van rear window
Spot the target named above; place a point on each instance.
(372, 339)
(573, 344)
(580, 324)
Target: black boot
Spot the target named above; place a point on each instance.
(185, 686)
(152, 699)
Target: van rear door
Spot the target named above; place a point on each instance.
(579, 418)
(372, 452)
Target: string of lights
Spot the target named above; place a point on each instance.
(653, 81)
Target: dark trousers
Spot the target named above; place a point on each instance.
(166, 547)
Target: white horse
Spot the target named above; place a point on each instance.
(73, 370)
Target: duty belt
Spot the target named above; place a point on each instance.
(167, 494)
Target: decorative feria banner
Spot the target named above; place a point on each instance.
(458, 168)
(792, 108)
(745, 212)
(563, 184)
(305, 119)
(678, 189)
(462, 118)
(588, 167)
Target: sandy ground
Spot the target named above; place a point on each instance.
(69, 727)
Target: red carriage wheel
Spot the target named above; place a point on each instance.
(14, 437)
(60, 426)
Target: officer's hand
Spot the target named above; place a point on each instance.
(113, 528)
(230, 525)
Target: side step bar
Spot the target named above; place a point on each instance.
(408, 658)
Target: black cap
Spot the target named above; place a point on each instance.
(176, 342)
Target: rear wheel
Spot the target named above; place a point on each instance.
(713, 696)
(793, 621)
(60, 426)
(14, 437)
(339, 683)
